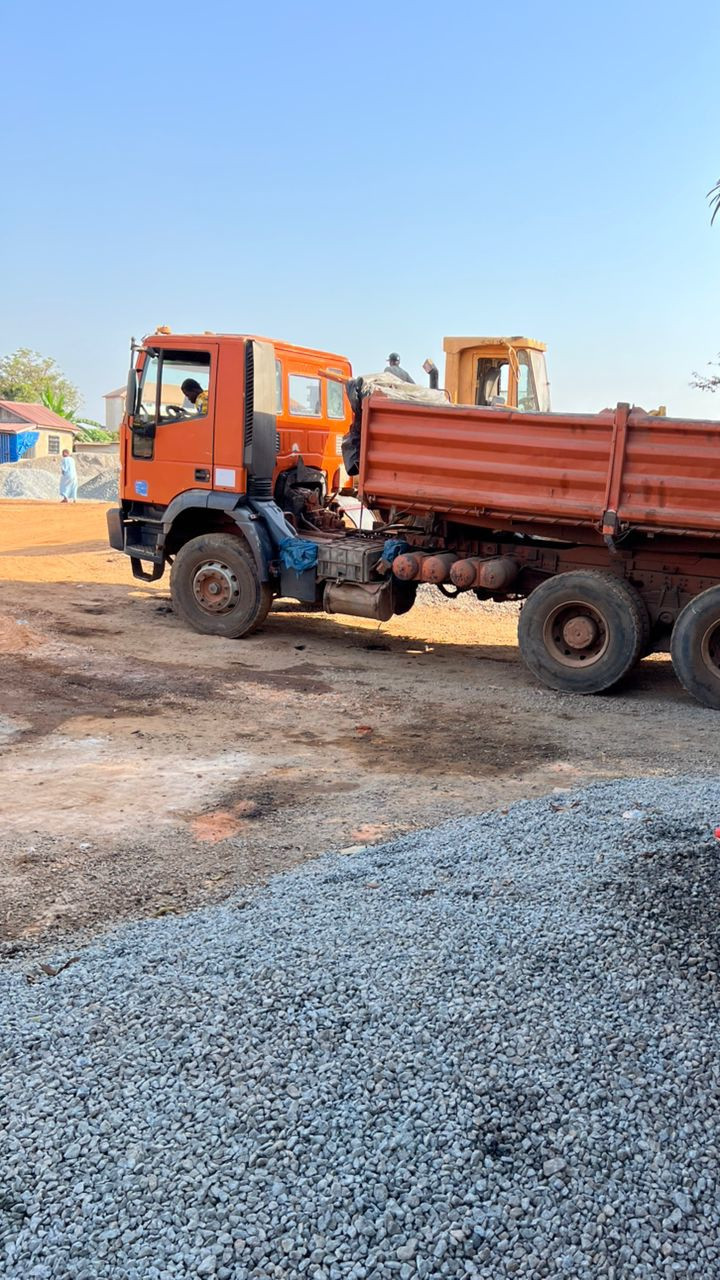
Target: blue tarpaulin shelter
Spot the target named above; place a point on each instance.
(14, 444)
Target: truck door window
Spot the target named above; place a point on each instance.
(143, 443)
(304, 396)
(335, 398)
(183, 380)
(184, 385)
(148, 390)
(278, 387)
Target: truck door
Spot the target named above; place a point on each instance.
(171, 442)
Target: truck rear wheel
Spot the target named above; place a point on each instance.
(581, 632)
(215, 587)
(695, 647)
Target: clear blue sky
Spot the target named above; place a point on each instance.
(366, 177)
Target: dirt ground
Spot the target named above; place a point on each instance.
(145, 769)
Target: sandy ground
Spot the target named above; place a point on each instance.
(144, 768)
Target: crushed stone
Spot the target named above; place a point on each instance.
(39, 478)
(489, 1049)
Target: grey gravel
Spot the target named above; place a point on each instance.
(485, 1050)
(464, 602)
(39, 478)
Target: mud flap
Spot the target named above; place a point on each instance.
(115, 529)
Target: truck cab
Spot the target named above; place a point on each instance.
(215, 419)
(508, 373)
(183, 428)
(230, 471)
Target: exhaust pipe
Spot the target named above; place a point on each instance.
(496, 574)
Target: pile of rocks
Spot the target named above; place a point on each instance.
(485, 1050)
(39, 478)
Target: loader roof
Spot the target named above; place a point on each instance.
(453, 345)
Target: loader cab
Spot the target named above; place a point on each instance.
(497, 373)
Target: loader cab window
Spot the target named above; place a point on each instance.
(491, 381)
(305, 399)
(527, 397)
(540, 380)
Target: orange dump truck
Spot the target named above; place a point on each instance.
(606, 526)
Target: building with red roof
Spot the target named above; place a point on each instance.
(32, 431)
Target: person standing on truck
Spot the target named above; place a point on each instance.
(68, 477)
(393, 367)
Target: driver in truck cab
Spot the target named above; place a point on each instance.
(195, 398)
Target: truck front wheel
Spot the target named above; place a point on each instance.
(581, 632)
(216, 589)
(695, 647)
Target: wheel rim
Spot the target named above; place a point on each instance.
(576, 634)
(215, 587)
(710, 649)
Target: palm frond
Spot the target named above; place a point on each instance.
(713, 196)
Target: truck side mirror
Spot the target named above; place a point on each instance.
(131, 394)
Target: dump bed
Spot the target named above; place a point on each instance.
(619, 468)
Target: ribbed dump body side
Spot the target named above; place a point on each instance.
(671, 475)
(479, 463)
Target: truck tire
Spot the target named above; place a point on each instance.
(581, 632)
(695, 647)
(215, 587)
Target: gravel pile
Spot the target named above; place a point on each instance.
(485, 1050)
(464, 602)
(98, 478)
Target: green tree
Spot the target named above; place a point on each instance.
(710, 381)
(55, 400)
(90, 430)
(707, 381)
(26, 375)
